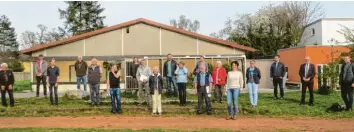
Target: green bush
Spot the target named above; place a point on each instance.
(16, 65)
(227, 67)
(22, 85)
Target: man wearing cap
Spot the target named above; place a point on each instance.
(219, 75)
(168, 71)
(94, 74)
(41, 74)
(201, 61)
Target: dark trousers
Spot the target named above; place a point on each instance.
(171, 80)
(306, 85)
(203, 95)
(218, 92)
(278, 81)
(347, 95)
(115, 99)
(55, 100)
(182, 93)
(43, 79)
(11, 95)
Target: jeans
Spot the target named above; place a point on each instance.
(169, 88)
(253, 93)
(303, 91)
(156, 102)
(218, 92)
(278, 81)
(82, 79)
(115, 100)
(203, 95)
(51, 86)
(232, 101)
(144, 86)
(43, 79)
(11, 96)
(95, 94)
(347, 95)
(182, 93)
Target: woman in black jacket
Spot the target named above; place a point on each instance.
(155, 84)
(7, 81)
(253, 75)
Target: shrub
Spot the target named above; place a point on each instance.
(227, 67)
(22, 85)
(16, 65)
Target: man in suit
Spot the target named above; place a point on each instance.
(277, 72)
(346, 81)
(307, 73)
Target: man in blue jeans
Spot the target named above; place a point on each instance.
(169, 69)
(94, 73)
(81, 69)
(113, 84)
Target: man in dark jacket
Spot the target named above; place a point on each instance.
(7, 81)
(277, 73)
(307, 73)
(155, 84)
(346, 81)
(169, 69)
(94, 73)
(81, 69)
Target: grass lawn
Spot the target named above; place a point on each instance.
(267, 106)
(119, 130)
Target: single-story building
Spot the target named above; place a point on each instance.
(141, 38)
(320, 55)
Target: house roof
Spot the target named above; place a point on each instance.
(130, 23)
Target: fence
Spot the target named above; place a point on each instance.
(19, 76)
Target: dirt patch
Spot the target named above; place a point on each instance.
(180, 122)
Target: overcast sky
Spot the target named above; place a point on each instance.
(211, 15)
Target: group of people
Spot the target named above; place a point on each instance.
(150, 83)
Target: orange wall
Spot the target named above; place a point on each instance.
(294, 57)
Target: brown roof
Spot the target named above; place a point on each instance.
(133, 22)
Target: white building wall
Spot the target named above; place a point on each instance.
(330, 30)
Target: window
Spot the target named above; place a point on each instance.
(127, 30)
(313, 31)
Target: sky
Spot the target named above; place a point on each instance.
(211, 15)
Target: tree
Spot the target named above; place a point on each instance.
(8, 40)
(184, 23)
(43, 36)
(81, 17)
(271, 27)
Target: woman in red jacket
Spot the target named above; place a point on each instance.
(219, 75)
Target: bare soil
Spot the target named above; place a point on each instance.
(180, 122)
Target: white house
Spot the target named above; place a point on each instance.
(325, 32)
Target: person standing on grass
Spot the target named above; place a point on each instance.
(142, 75)
(81, 70)
(202, 84)
(134, 67)
(197, 67)
(168, 71)
(234, 86)
(113, 84)
(41, 74)
(277, 73)
(94, 73)
(53, 81)
(307, 73)
(7, 81)
(253, 75)
(181, 73)
(346, 81)
(219, 77)
(155, 84)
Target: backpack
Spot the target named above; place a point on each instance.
(335, 108)
(324, 90)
